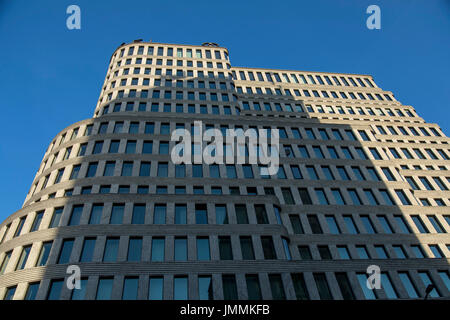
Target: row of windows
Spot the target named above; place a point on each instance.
(266, 106)
(150, 214)
(170, 62)
(141, 213)
(307, 93)
(426, 184)
(191, 96)
(303, 79)
(135, 127)
(309, 172)
(253, 284)
(169, 51)
(191, 84)
(169, 94)
(172, 72)
(167, 107)
(219, 248)
(159, 249)
(396, 251)
(356, 224)
(412, 130)
(187, 189)
(324, 196)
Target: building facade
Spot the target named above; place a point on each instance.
(363, 180)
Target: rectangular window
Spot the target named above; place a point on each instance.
(88, 250)
(229, 287)
(276, 286)
(268, 247)
(203, 250)
(111, 249)
(44, 254)
(247, 248)
(134, 249)
(75, 216)
(157, 253)
(66, 251)
(104, 289)
(225, 251)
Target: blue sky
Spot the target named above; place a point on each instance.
(50, 77)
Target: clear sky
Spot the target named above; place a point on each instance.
(50, 77)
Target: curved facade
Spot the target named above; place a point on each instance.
(363, 180)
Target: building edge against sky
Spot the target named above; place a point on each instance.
(363, 181)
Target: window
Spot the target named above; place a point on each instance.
(287, 196)
(180, 288)
(43, 254)
(408, 284)
(229, 287)
(241, 214)
(157, 253)
(19, 226)
(417, 250)
(367, 224)
(419, 224)
(305, 253)
(134, 249)
(66, 251)
(205, 291)
(314, 224)
(276, 286)
(75, 216)
(332, 225)
(299, 283)
(427, 281)
(268, 248)
(203, 253)
(381, 252)
(296, 224)
(104, 289)
(261, 214)
(321, 196)
(368, 293)
(180, 252)
(385, 224)
(117, 214)
(322, 286)
(304, 196)
(54, 291)
(221, 214)
(159, 214)
(225, 251)
(344, 286)
(162, 170)
(201, 216)
(247, 248)
(387, 286)
(111, 249)
(37, 221)
(324, 252)
(23, 258)
(130, 288)
(155, 290)
(56, 217)
(32, 291)
(362, 252)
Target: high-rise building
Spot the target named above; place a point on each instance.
(362, 181)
